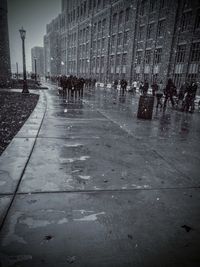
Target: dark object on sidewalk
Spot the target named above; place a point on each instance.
(145, 108)
(71, 259)
(187, 228)
(130, 236)
(48, 237)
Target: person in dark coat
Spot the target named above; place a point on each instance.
(169, 92)
(123, 84)
(154, 88)
(145, 88)
(182, 91)
(188, 102)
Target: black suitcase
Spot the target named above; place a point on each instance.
(145, 108)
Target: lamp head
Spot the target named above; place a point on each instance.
(22, 33)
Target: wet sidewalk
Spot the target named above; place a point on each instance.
(91, 185)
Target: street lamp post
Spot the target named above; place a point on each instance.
(35, 60)
(23, 35)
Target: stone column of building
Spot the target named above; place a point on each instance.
(5, 70)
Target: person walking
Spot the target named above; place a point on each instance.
(145, 88)
(169, 92)
(159, 94)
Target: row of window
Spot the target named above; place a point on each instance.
(151, 7)
(194, 53)
(151, 29)
(180, 54)
(118, 18)
(147, 57)
(187, 19)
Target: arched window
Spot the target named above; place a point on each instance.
(127, 17)
(121, 14)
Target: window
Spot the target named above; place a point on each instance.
(118, 60)
(178, 79)
(197, 21)
(127, 16)
(104, 27)
(102, 62)
(90, 4)
(139, 57)
(162, 4)
(103, 43)
(87, 34)
(142, 6)
(147, 56)
(180, 54)
(87, 49)
(95, 28)
(187, 4)
(112, 61)
(195, 52)
(99, 44)
(119, 39)
(161, 27)
(94, 45)
(141, 33)
(114, 19)
(99, 26)
(124, 59)
(93, 62)
(157, 55)
(150, 30)
(192, 77)
(99, 3)
(113, 40)
(152, 5)
(186, 20)
(121, 14)
(126, 37)
(78, 10)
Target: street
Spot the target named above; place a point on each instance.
(86, 183)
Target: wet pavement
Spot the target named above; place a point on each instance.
(91, 185)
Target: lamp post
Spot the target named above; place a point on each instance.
(35, 60)
(23, 35)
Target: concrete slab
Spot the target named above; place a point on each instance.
(96, 164)
(4, 203)
(137, 228)
(12, 163)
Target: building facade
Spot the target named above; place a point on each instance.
(185, 52)
(149, 40)
(37, 60)
(52, 47)
(5, 69)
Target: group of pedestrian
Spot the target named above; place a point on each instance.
(183, 99)
(123, 85)
(71, 86)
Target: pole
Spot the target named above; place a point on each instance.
(35, 69)
(25, 87)
(17, 70)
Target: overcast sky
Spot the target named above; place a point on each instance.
(33, 15)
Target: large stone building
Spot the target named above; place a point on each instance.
(37, 58)
(131, 39)
(5, 70)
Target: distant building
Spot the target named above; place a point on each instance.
(133, 39)
(5, 70)
(52, 48)
(37, 57)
